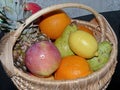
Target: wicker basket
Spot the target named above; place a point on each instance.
(99, 80)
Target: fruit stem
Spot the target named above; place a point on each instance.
(96, 53)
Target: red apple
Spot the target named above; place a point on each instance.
(42, 58)
(33, 7)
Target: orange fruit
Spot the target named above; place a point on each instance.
(54, 23)
(81, 27)
(72, 67)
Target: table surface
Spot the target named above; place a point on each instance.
(114, 20)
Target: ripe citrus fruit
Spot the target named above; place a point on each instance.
(72, 67)
(81, 27)
(54, 23)
(83, 44)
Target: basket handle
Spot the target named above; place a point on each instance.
(60, 6)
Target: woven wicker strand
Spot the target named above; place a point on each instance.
(99, 80)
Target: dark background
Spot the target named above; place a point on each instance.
(114, 19)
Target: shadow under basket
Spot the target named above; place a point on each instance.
(98, 80)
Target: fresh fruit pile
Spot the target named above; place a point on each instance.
(60, 48)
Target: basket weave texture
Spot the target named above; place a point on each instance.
(99, 80)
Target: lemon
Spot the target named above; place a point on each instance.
(83, 44)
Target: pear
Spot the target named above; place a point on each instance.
(104, 49)
(62, 42)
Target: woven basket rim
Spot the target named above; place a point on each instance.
(89, 77)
